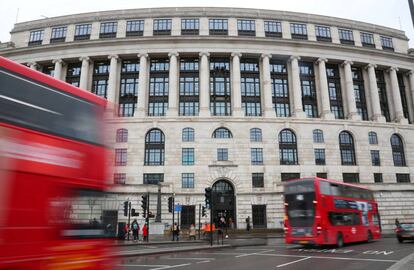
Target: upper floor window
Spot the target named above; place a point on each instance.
(256, 156)
(83, 31)
(153, 178)
(350, 177)
(257, 180)
(187, 180)
(190, 26)
(222, 133)
(187, 156)
(372, 137)
(367, 40)
(188, 135)
(346, 36)
(298, 31)
(122, 135)
(58, 34)
(318, 136)
(397, 150)
(386, 43)
(288, 151)
(162, 27)
(154, 147)
(319, 156)
(255, 135)
(246, 27)
(218, 26)
(273, 29)
(108, 30)
(135, 28)
(119, 178)
(323, 33)
(403, 177)
(222, 154)
(36, 37)
(347, 149)
(121, 157)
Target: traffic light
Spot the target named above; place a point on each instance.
(144, 204)
(204, 211)
(170, 204)
(133, 213)
(208, 197)
(126, 205)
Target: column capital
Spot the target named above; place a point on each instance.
(320, 60)
(294, 57)
(347, 62)
(408, 73)
(370, 66)
(143, 55)
(84, 58)
(60, 61)
(238, 54)
(201, 54)
(113, 56)
(390, 69)
(175, 53)
(266, 55)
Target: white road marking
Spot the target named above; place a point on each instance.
(143, 265)
(199, 259)
(281, 265)
(324, 257)
(255, 253)
(203, 262)
(171, 266)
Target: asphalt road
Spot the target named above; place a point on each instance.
(377, 255)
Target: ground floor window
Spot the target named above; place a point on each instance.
(259, 216)
(187, 216)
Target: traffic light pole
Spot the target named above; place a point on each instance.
(129, 218)
(147, 218)
(211, 221)
(173, 213)
(199, 221)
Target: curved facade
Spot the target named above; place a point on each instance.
(240, 100)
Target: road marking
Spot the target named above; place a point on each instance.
(143, 265)
(203, 262)
(171, 266)
(324, 257)
(199, 259)
(255, 253)
(281, 265)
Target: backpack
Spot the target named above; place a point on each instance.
(135, 226)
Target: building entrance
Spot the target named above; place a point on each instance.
(224, 203)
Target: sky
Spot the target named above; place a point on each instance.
(391, 13)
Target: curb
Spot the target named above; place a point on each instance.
(157, 243)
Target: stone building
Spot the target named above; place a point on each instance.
(238, 100)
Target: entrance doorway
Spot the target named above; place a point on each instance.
(187, 216)
(224, 202)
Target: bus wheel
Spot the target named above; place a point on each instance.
(369, 237)
(339, 240)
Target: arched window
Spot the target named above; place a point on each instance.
(255, 135)
(318, 136)
(372, 137)
(122, 135)
(288, 147)
(154, 147)
(222, 133)
(397, 150)
(346, 146)
(188, 135)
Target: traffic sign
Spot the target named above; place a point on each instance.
(178, 208)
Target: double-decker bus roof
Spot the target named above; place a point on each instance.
(50, 81)
(328, 180)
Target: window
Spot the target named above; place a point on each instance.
(154, 147)
(350, 177)
(367, 40)
(222, 154)
(48, 70)
(119, 178)
(322, 175)
(256, 156)
(280, 88)
(190, 26)
(289, 176)
(220, 94)
(222, 133)
(375, 158)
(250, 87)
(386, 43)
(259, 216)
(319, 156)
(83, 31)
(187, 180)
(346, 36)
(257, 180)
(298, 31)
(100, 78)
(378, 178)
(188, 156)
(288, 148)
(159, 86)
(335, 93)
(121, 135)
(346, 146)
(189, 87)
(359, 92)
(255, 135)
(73, 74)
(400, 78)
(246, 27)
(188, 135)
(382, 92)
(128, 94)
(36, 37)
(58, 34)
(372, 137)
(403, 177)
(153, 178)
(397, 150)
(218, 26)
(162, 27)
(309, 97)
(135, 28)
(108, 30)
(323, 33)
(273, 29)
(121, 157)
(318, 136)
(344, 219)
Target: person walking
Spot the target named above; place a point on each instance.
(192, 232)
(176, 232)
(126, 229)
(145, 232)
(135, 230)
(248, 224)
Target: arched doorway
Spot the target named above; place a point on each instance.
(224, 202)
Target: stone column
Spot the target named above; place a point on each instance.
(173, 85)
(235, 85)
(84, 76)
(350, 93)
(204, 85)
(113, 70)
(267, 86)
(142, 85)
(33, 65)
(396, 96)
(58, 68)
(296, 88)
(373, 89)
(323, 85)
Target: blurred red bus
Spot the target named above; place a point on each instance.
(325, 212)
(52, 164)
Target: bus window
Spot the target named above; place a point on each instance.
(344, 219)
(324, 188)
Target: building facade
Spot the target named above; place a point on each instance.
(239, 100)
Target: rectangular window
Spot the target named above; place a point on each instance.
(49, 70)
(378, 178)
(323, 33)
(121, 157)
(382, 92)
(222, 154)
(367, 40)
(386, 43)
(190, 26)
(162, 27)
(220, 94)
(58, 34)
(36, 37)
(403, 178)
(298, 31)
(359, 92)
(189, 87)
(83, 31)
(128, 93)
(187, 180)
(250, 87)
(108, 30)
(375, 158)
(289, 176)
(259, 216)
(346, 36)
(73, 74)
(258, 180)
(100, 78)
(135, 28)
(159, 85)
(350, 177)
(218, 26)
(119, 178)
(246, 27)
(188, 156)
(280, 88)
(403, 95)
(322, 175)
(309, 97)
(320, 156)
(153, 178)
(273, 29)
(256, 156)
(335, 93)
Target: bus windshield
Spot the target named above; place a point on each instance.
(299, 197)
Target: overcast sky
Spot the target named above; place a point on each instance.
(391, 13)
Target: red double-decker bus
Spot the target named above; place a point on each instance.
(326, 212)
(52, 173)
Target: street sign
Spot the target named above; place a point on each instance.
(178, 208)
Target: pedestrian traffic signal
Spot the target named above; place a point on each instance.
(204, 211)
(144, 204)
(170, 204)
(208, 197)
(126, 205)
(134, 213)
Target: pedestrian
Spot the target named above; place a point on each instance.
(231, 223)
(126, 230)
(192, 232)
(397, 222)
(145, 232)
(176, 232)
(135, 230)
(248, 224)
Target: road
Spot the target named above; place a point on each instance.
(377, 255)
